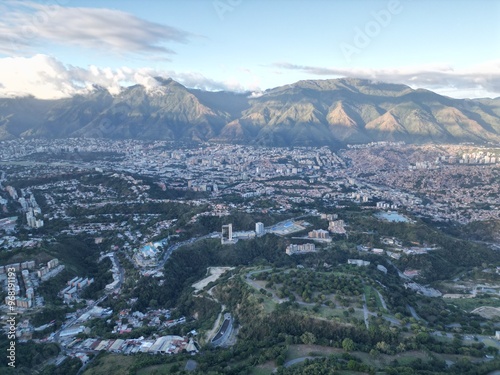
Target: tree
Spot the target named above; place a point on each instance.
(382, 346)
(174, 368)
(374, 353)
(348, 345)
(422, 338)
(352, 365)
(308, 338)
(280, 361)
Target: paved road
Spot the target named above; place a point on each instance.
(365, 312)
(175, 246)
(469, 337)
(414, 313)
(224, 332)
(253, 283)
(392, 320)
(258, 287)
(298, 360)
(381, 299)
(121, 270)
(75, 319)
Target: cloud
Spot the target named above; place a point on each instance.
(26, 25)
(479, 80)
(256, 94)
(45, 77)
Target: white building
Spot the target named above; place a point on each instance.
(227, 234)
(301, 249)
(358, 262)
(259, 229)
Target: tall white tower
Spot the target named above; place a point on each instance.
(259, 229)
(227, 230)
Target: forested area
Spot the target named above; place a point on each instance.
(266, 329)
(28, 355)
(454, 255)
(189, 264)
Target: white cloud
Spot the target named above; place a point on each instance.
(256, 94)
(476, 81)
(27, 25)
(47, 78)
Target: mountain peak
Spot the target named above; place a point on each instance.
(95, 88)
(348, 84)
(165, 81)
(308, 112)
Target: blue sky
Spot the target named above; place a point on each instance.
(56, 48)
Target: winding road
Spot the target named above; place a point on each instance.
(365, 312)
(382, 301)
(175, 246)
(298, 360)
(258, 287)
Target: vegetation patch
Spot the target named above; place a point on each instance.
(106, 364)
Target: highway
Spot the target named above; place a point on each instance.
(175, 246)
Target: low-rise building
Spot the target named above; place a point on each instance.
(301, 249)
(358, 262)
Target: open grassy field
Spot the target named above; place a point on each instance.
(493, 343)
(111, 364)
(299, 351)
(266, 368)
(159, 369)
(469, 304)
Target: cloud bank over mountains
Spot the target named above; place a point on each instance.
(45, 77)
(482, 79)
(26, 25)
(29, 31)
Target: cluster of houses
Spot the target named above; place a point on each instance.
(52, 269)
(396, 248)
(319, 235)
(161, 345)
(75, 285)
(24, 293)
(128, 320)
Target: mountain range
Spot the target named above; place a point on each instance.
(307, 113)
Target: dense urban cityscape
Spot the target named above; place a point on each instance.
(138, 202)
(233, 187)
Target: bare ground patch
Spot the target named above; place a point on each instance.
(215, 273)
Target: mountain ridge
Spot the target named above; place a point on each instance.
(306, 113)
